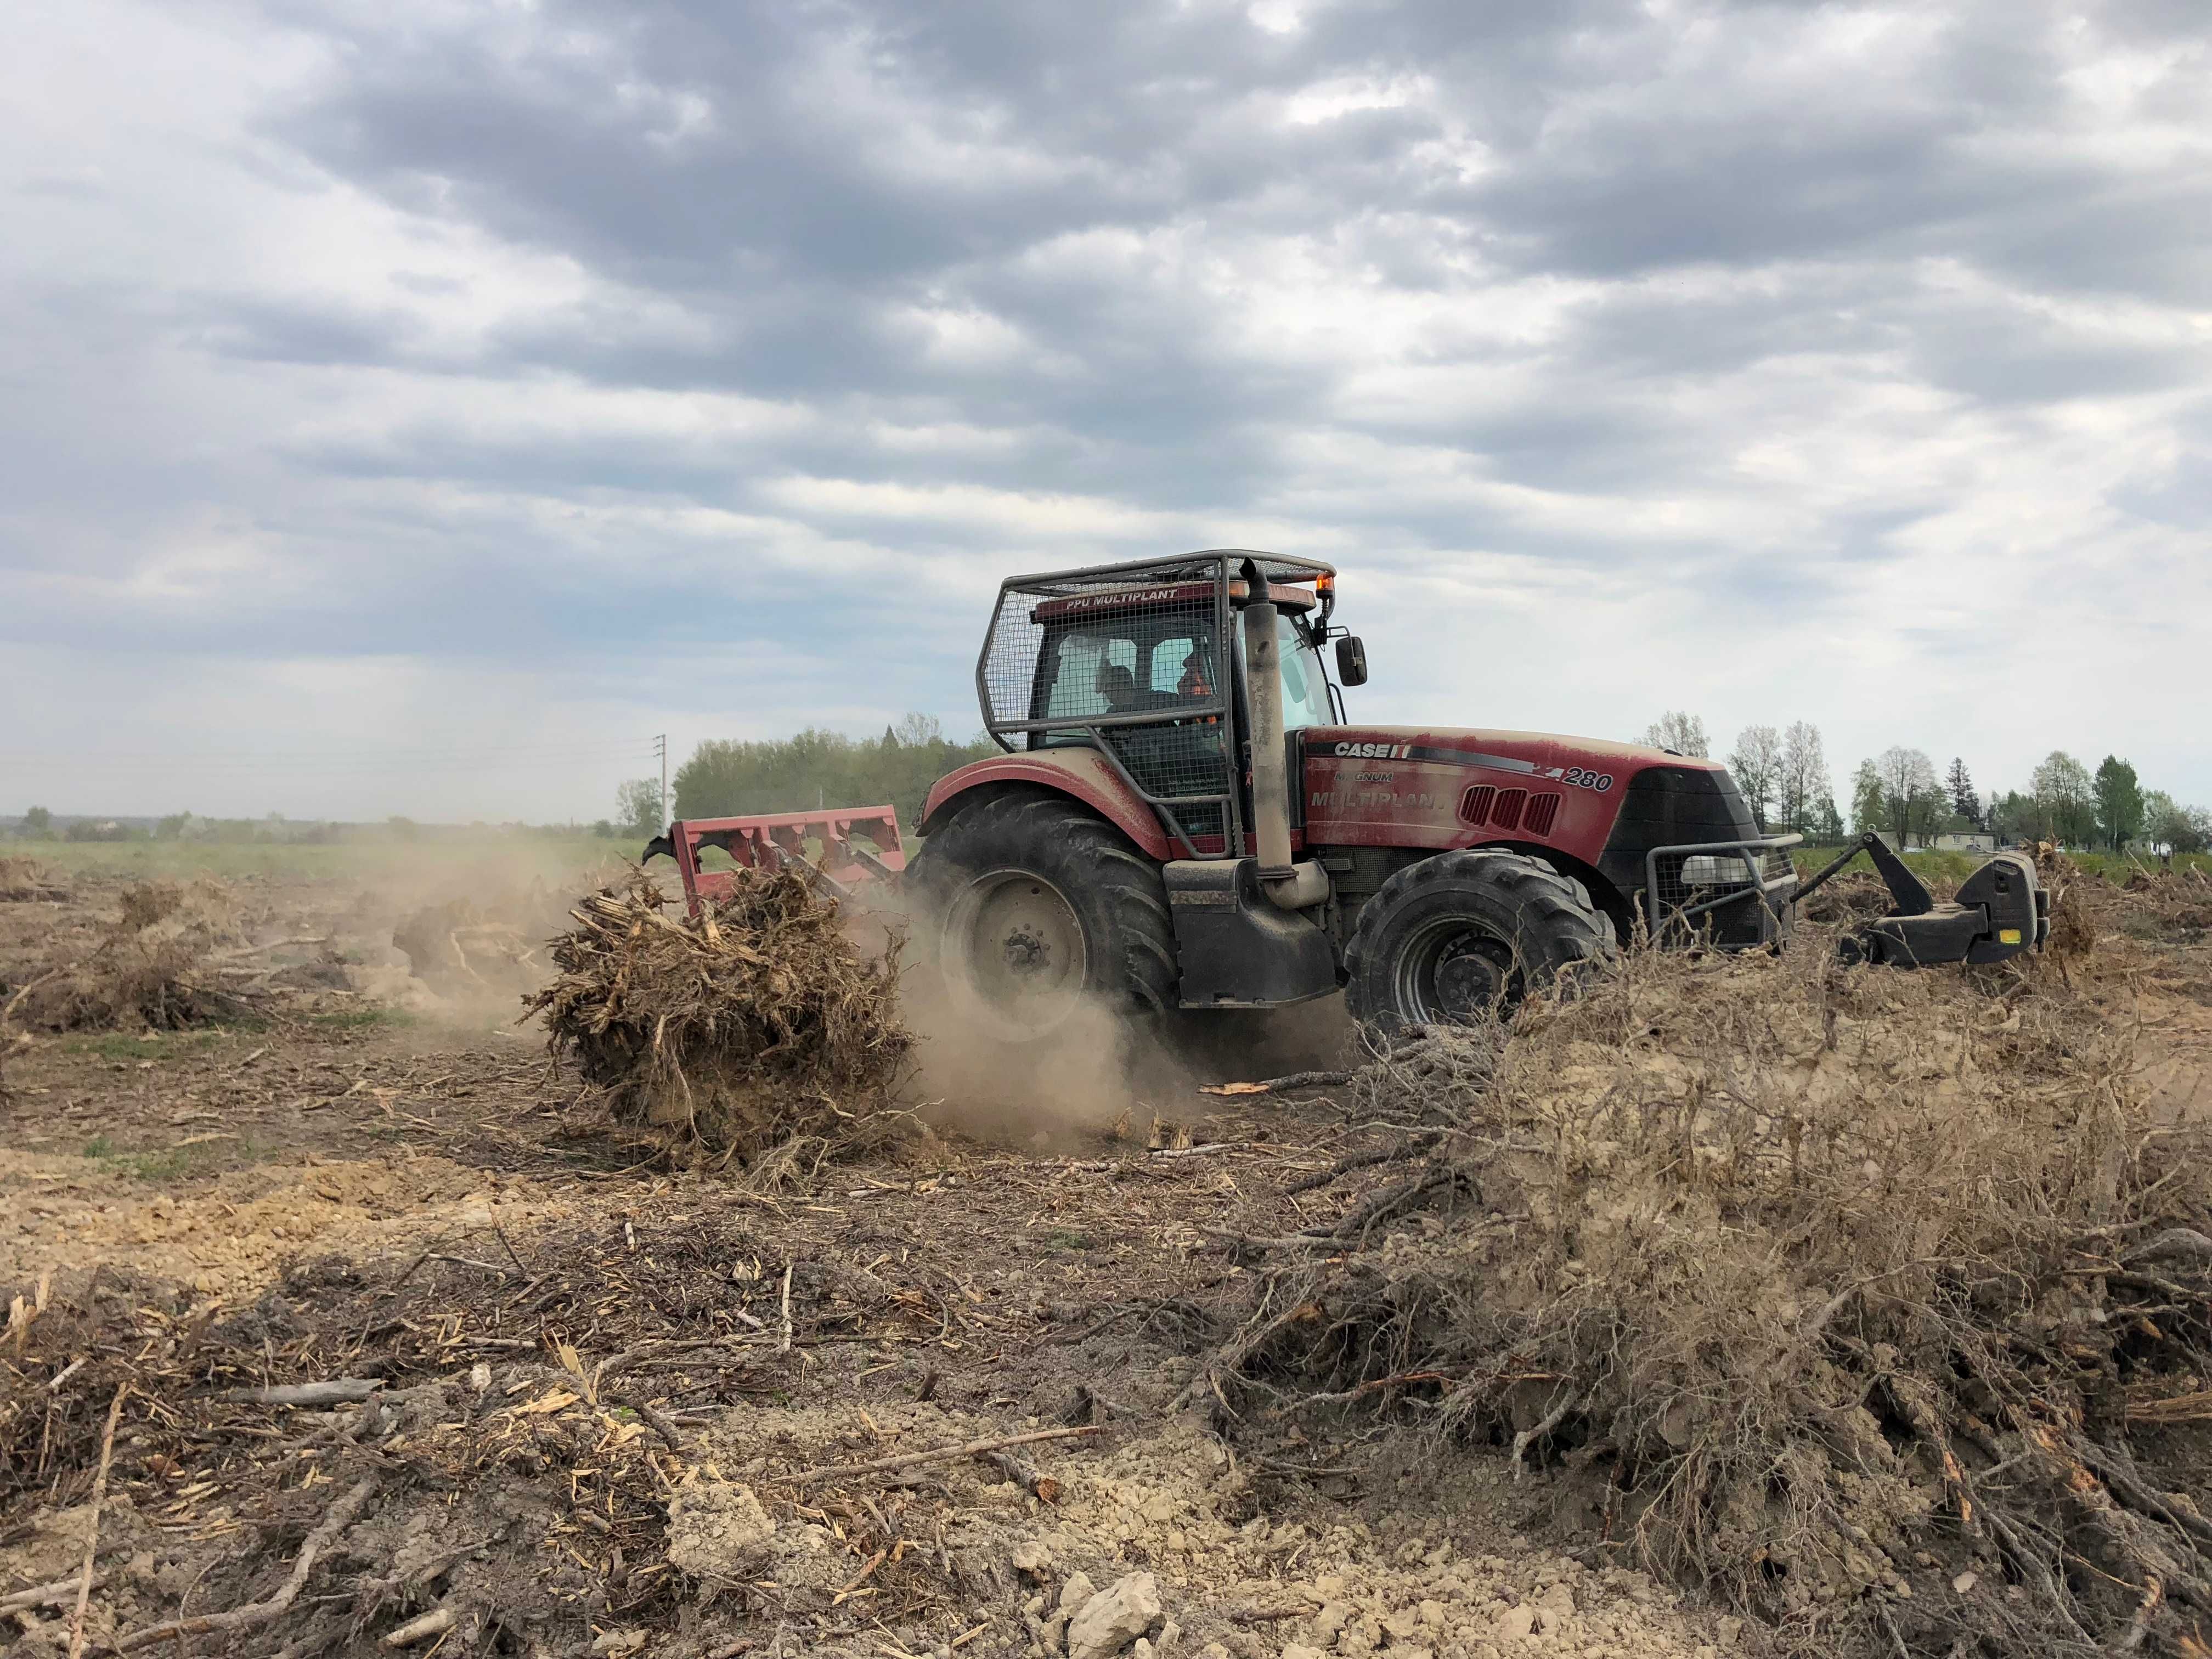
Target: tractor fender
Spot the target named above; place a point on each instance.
(1083, 774)
(1603, 893)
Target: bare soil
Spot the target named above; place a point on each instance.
(608, 1407)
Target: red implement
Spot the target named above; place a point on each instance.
(840, 848)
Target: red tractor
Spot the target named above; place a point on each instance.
(1185, 817)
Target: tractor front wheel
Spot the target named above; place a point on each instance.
(1030, 907)
(1466, 934)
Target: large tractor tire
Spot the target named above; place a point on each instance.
(1463, 935)
(1030, 907)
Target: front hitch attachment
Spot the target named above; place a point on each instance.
(1999, 911)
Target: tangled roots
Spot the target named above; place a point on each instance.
(1872, 1299)
(737, 1031)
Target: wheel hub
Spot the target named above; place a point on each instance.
(1455, 972)
(1015, 947)
(1027, 952)
(1467, 983)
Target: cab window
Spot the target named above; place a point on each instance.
(1125, 666)
(1305, 687)
(1093, 674)
(1179, 668)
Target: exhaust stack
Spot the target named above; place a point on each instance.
(1291, 887)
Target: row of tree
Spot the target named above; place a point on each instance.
(726, 779)
(39, 824)
(1783, 771)
(2064, 802)
(1783, 775)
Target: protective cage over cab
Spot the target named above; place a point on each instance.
(1138, 662)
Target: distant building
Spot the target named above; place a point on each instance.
(1964, 840)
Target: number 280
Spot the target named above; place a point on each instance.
(1584, 778)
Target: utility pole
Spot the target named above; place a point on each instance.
(660, 745)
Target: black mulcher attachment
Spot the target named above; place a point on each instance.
(2001, 910)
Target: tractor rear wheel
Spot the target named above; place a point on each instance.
(1031, 907)
(1460, 935)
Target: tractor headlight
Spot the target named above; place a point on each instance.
(1708, 869)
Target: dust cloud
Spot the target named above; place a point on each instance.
(459, 942)
(1101, 1072)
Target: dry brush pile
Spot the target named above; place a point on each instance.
(168, 961)
(757, 1027)
(24, 881)
(2168, 906)
(1874, 1301)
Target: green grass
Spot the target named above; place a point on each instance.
(512, 857)
(361, 1019)
(2120, 868)
(115, 1045)
(1957, 866)
(160, 1164)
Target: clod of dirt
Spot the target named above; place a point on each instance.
(717, 1529)
(1115, 1617)
(752, 1026)
(1794, 1256)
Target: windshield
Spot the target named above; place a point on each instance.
(1305, 687)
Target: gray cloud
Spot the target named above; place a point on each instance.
(1721, 336)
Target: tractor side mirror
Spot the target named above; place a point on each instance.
(1350, 660)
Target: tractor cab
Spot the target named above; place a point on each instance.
(1146, 663)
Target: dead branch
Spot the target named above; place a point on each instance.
(650, 1415)
(1271, 1085)
(341, 1515)
(1031, 1479)
(45, 1595)
(942, 1453)
(1529, 1437)
(26, 989)
(339, 1391)
(92, 1525)
(436, 1622)
(1382, 1207)
(1367, 1160)
(273, 945)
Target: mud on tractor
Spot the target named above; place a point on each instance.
(1184, 817)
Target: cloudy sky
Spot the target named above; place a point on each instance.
(415, 407)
